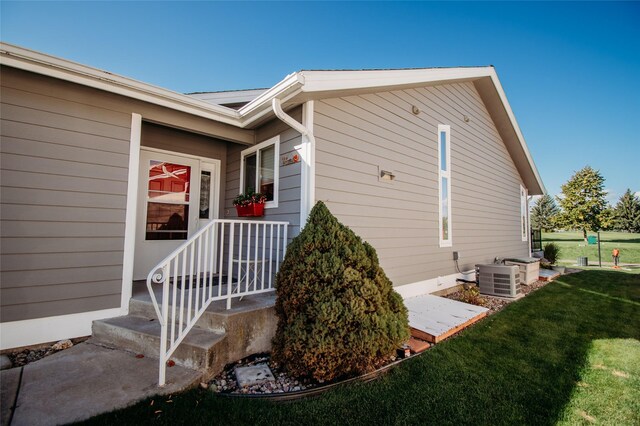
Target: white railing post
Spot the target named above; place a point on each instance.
(232, 230)
(163, 330)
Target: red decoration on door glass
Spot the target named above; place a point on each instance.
(169, 182)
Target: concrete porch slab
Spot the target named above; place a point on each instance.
(87, 380)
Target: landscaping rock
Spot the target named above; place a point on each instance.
(62, 344)
(253, 375)
(5, 362)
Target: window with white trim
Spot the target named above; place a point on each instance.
(444, 185)
(524, 228)
(259, 171)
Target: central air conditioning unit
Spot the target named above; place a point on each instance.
(499, 280)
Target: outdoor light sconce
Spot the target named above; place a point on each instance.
(386, 175)
(465, 118)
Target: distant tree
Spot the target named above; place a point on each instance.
(583, 201)
(627, 213)
(544, 213)
(608, 219)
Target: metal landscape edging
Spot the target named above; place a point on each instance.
(318, 390)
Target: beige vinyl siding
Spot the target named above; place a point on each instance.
(64, 170)
(63, 173)
(289, 183)
(357, 135)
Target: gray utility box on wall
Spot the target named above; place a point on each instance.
(499, 280)
(529, 268)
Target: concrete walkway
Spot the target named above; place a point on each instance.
(81, 382)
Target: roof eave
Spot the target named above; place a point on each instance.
(503, 97)
(29, 60)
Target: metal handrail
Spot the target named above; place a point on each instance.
(253, 256)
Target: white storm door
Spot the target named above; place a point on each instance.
(168, 207)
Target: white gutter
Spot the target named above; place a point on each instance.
(307, 153)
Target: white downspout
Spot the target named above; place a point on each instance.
(307, 152)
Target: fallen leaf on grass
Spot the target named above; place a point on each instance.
(157, 412)
(152, 401)
(620, 374)
(587, 417)
(599, 367)
(583, 384)
(169, 400)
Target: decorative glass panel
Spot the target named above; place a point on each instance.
(169, 182)
(267, 171)
(167, 221)
(250, 173)
(205, 195)
(168, 201)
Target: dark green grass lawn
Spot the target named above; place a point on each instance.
(520, 366)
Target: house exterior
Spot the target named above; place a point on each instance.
(103, 176)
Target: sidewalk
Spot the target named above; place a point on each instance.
(81, 382)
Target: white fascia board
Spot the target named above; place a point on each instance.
(321, 81)
(516, 128)
(285, 90)
(229, 97)
(29, 60)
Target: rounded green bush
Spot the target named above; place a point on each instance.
(338, 314)
(551, 252)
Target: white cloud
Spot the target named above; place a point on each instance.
(612, 196)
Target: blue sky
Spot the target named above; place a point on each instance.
(570, 70)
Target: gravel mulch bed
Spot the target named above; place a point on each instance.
(31, 354)
(226, 382)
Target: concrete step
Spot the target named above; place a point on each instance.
(200, 350)
(212, 321)
(217, 317)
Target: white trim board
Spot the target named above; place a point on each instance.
(15, 334)
(132, 205)
(432, 285)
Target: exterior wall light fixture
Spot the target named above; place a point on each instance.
(387, 175)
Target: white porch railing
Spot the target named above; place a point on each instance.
(225, 259)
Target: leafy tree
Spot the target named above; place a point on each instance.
(627, 212)
(338, 314)
(544, 213)
(607, 219)
(583, 201)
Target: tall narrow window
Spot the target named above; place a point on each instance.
(259, 170)
(444, 185)
(523, 213)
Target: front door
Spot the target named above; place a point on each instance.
(177, 195)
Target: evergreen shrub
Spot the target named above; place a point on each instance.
(338, 314)
(551, 252)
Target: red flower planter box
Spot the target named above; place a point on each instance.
(251, 210)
